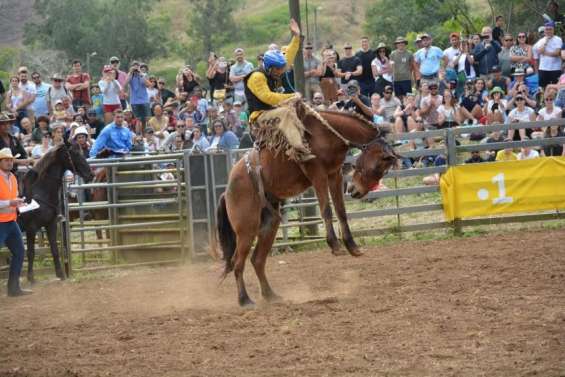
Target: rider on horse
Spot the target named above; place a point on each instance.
(264, 92)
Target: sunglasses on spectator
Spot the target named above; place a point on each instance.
(318, 98)
(161, 83)
(549, 99)
(35, 77)
(521, 36)
(508, 40)
(390, 91)
(114, 61)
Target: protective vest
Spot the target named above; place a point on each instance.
(254, 103)
(8, 214)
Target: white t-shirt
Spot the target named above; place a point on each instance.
(29, 88)
(449, 114)
(532, 154)
(380, 66)
(522, 116)
(549, 63)
(555, 114)
(461, 67)
(110, 92)
(452, 55)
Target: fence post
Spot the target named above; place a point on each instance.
(452, 161)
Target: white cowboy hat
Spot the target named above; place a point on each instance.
(7, 153)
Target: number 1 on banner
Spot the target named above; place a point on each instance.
(502, 198)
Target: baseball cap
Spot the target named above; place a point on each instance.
(347, 45)
(114, 59)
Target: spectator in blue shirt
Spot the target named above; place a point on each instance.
(138, 97)
(41, 89)
(115, 139)
(486, 52)
(222, 138)
(428, 59)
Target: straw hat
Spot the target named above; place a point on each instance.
(7, 153)
(6, 117)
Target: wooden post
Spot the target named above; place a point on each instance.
(294, 7)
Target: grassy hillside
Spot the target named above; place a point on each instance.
(263, 22)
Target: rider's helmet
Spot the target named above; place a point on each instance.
(273, 59)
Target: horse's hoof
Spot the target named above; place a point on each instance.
(246, 303)
(338, 252)
(356, 252)
(273, 298)
(60, 275)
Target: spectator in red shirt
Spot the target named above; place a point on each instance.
(79, 83)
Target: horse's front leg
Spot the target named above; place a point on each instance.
(52, 237)
(336, 191)
(321, 186)
(30, 240)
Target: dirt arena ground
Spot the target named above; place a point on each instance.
(485, 306)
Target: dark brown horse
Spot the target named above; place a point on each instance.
(244, 213)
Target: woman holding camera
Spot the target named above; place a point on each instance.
(218, 77)
(187, 80)
(111, 89)
(328, 74)
(495, 108)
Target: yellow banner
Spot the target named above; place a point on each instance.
(484, 189)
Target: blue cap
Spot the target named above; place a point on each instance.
(549, 24)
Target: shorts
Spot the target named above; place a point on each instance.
(548, 77)
(140, 111)
(111, 108)
(401, 88)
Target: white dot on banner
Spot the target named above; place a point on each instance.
(483, 194)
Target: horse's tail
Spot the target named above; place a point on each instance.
(226, 235)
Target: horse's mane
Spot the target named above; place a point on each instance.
(47, 160)
(382, 131)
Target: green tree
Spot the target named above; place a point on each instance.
(387, 19)
(108, 27)
(211, 25)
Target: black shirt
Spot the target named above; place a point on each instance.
(497, 34)
(97, 125)
(166, 94)
(16, 148)
(2, 90)
(366, 59)
(349, 64)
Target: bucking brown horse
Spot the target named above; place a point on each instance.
(259, 182)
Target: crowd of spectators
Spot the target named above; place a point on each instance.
(491, 77)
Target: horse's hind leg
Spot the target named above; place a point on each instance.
(243, 243)
(52, 236)
(336, 184)
(269, 225)
(30, 240)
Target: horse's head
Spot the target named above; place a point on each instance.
(375, 160)
(73, 160)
